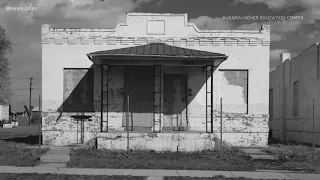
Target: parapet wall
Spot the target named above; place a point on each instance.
(139, 27)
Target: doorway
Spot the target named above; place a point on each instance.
(175, 101)
(139, 85)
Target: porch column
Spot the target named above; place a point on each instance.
(157, 100)
(104, 98)
(209, 99)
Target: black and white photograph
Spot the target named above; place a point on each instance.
(159, 89)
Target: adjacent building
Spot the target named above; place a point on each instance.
(295, 97)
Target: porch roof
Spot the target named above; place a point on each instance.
(157, 51)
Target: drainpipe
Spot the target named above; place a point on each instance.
(283, 95)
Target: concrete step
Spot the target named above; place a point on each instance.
(56, 155)
(154, 178)
(36, 147)
(263, 157)
(59, 152)
(257, 154)
(253, 151)
(60, 148)
(55, 159)
(55, 165)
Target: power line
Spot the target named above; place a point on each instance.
(30, 100)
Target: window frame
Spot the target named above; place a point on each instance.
(247, 98)
(63, 91)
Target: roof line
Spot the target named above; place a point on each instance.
(157, 14)
(138, 55)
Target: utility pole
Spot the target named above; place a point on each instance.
(30, 101)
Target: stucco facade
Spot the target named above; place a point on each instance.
(293, 86)
(242, 81)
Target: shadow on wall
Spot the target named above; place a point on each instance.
(142, 85)
(78, 90)
(139, 83)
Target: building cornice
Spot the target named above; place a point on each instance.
(189, 41)
(197, 37)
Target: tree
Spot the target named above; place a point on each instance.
(5, 81)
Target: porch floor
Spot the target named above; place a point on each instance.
(149, 130)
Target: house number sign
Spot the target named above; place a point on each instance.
(189, 62)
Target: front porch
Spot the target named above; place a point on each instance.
(154, 87)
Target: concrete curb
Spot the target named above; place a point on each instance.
(156, 172)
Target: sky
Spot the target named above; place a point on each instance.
(24, 27)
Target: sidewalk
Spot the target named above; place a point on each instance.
(55, 157)
(157, 173)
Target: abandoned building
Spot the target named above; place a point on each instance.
(295, 97)
(159, 76)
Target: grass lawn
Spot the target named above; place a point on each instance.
(13, 154)
(292, 157)
(64, 177)
(206, 160)
(79, 177)
(12, 141)
(298, 159)
(23, 129)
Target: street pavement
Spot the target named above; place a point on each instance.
(157, 173)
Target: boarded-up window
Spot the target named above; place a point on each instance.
(78, 90)
(296, 98)
(271, 103)
(234, 91)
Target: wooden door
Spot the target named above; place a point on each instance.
(175, 100)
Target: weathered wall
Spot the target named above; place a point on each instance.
(303, 68)
(247, 49)
(235, 82)
(78, 90)
(158, 141)
(60, 129)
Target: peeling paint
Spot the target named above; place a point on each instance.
(152, 135)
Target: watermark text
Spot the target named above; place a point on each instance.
(21, 8)
(264, 18)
